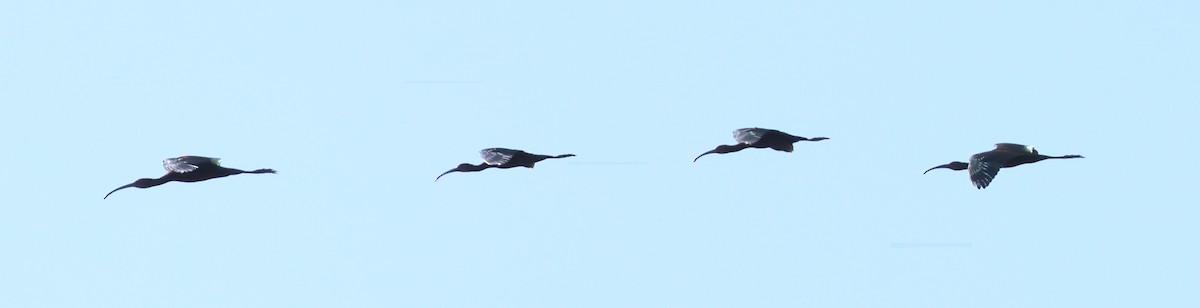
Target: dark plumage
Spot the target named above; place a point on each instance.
(188, 169)
(503, 158)
(984, 166)
(759, 138)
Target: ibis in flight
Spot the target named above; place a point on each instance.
(984, 166)
(188, 169)
(503, 158)
(759, 138)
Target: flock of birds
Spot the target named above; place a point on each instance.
(981, 167)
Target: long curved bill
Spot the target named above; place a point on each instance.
(118, 188)
(947, 166)
(444, 173)
(702, 155)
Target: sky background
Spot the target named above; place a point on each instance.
(360, 104)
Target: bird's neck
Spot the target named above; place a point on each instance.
(722, 149)
(147, 183)
(478, 167)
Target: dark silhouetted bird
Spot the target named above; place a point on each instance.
(759, 138)
(503, 158)
(984, 166)
(188, 169)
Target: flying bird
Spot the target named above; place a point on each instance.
(984, 166)
(188, 169)
(503, 158)
(761, 138)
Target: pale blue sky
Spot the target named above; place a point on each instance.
(360, 104)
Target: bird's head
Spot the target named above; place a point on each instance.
(954, 165)
(140, 183)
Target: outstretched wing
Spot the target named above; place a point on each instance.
(185, 164)
(983, 167)
(749, 135)
(982, 171)
(497, 156)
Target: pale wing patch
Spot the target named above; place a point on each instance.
(748, 135)
(1013, 147)
(179, 165)
(497, 156)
